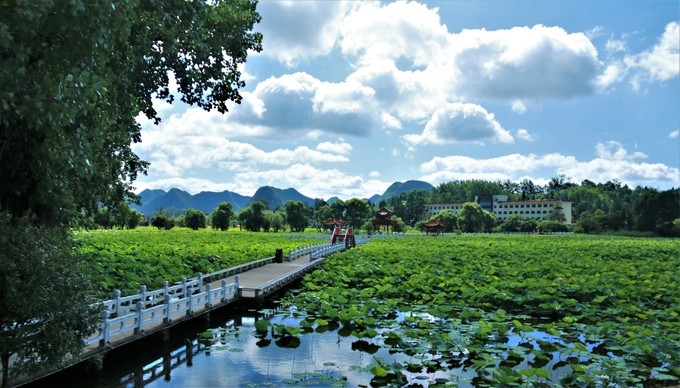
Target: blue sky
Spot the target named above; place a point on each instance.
(349, 97)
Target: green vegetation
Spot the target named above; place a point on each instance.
(126, 259)
(570, 309)
(74, 76)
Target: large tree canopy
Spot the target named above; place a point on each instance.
(75, 74)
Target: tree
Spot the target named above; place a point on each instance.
(552, 226)
(194, 219)
(512, 223)
(472, 218)
(358, 211)
(67, 111)
(321, 214)
(295, 216)
(134, 218)
(339, 209)
(74, 75)
(253, 218)
(221, 215)
(529, 189)
(161, 221)
(41, 326)
(273, 221)
(415, 202)
(449, 218)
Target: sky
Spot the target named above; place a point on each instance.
(348, 97)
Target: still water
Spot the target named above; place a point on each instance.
(237, 358)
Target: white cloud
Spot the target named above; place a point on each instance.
(660, 63)
(191, 185)
(340, 148)
(612, 162)
(310, 181)
(615, 45)
(174, 153)
(613, 150)
(614, 72)
(307, 179)
(523, 63)
(460, 123)
(523, 134)
(519, 107)
(399, 30)
(294, 104)
(296, 31)
(674, 135)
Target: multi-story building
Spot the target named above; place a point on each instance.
(502, 208)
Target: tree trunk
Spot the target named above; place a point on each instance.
(5, 370)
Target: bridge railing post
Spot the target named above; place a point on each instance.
(165, 287)
(199, 277)
(142, 295)
(105, 328)
(224, 290)
(168, 311)
(116, 302)
(190, 309)
(238, 285)
(184, 287)
(208, 291)
(140, 317)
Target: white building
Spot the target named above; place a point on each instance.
(502, 208)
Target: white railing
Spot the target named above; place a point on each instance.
(117, 320)
(135, 313)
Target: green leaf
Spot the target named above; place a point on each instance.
(378, 371)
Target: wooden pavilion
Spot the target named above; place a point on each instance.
(331, 223)
(434, 227)
(383, 218)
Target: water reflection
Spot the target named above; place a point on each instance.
(227, 352)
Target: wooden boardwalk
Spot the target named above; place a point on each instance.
(126, 319)
(169, 306)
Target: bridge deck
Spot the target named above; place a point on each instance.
(125, 321)
(250, 283)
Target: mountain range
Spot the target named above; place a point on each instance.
(176, 201)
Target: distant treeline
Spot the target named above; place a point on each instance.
(596, 208)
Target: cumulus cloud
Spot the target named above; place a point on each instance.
(523, 63)
(460, 123)
(311, 181)
(674, 135)
(190, 185)
(612, 161)
(660, 63)
(399, 30)
(523, 134)
(296, 31)
(294, 104)
(173, 153)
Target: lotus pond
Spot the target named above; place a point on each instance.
(507, 309)
(468, 310)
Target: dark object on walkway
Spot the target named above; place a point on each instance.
(278, 258)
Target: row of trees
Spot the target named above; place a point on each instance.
(472, 218)
(600, 207)
(596, 208)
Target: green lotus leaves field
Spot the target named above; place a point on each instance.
(126, 259)
(513, 309)
(482, 309)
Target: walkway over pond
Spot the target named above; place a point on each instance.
(128, 318)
